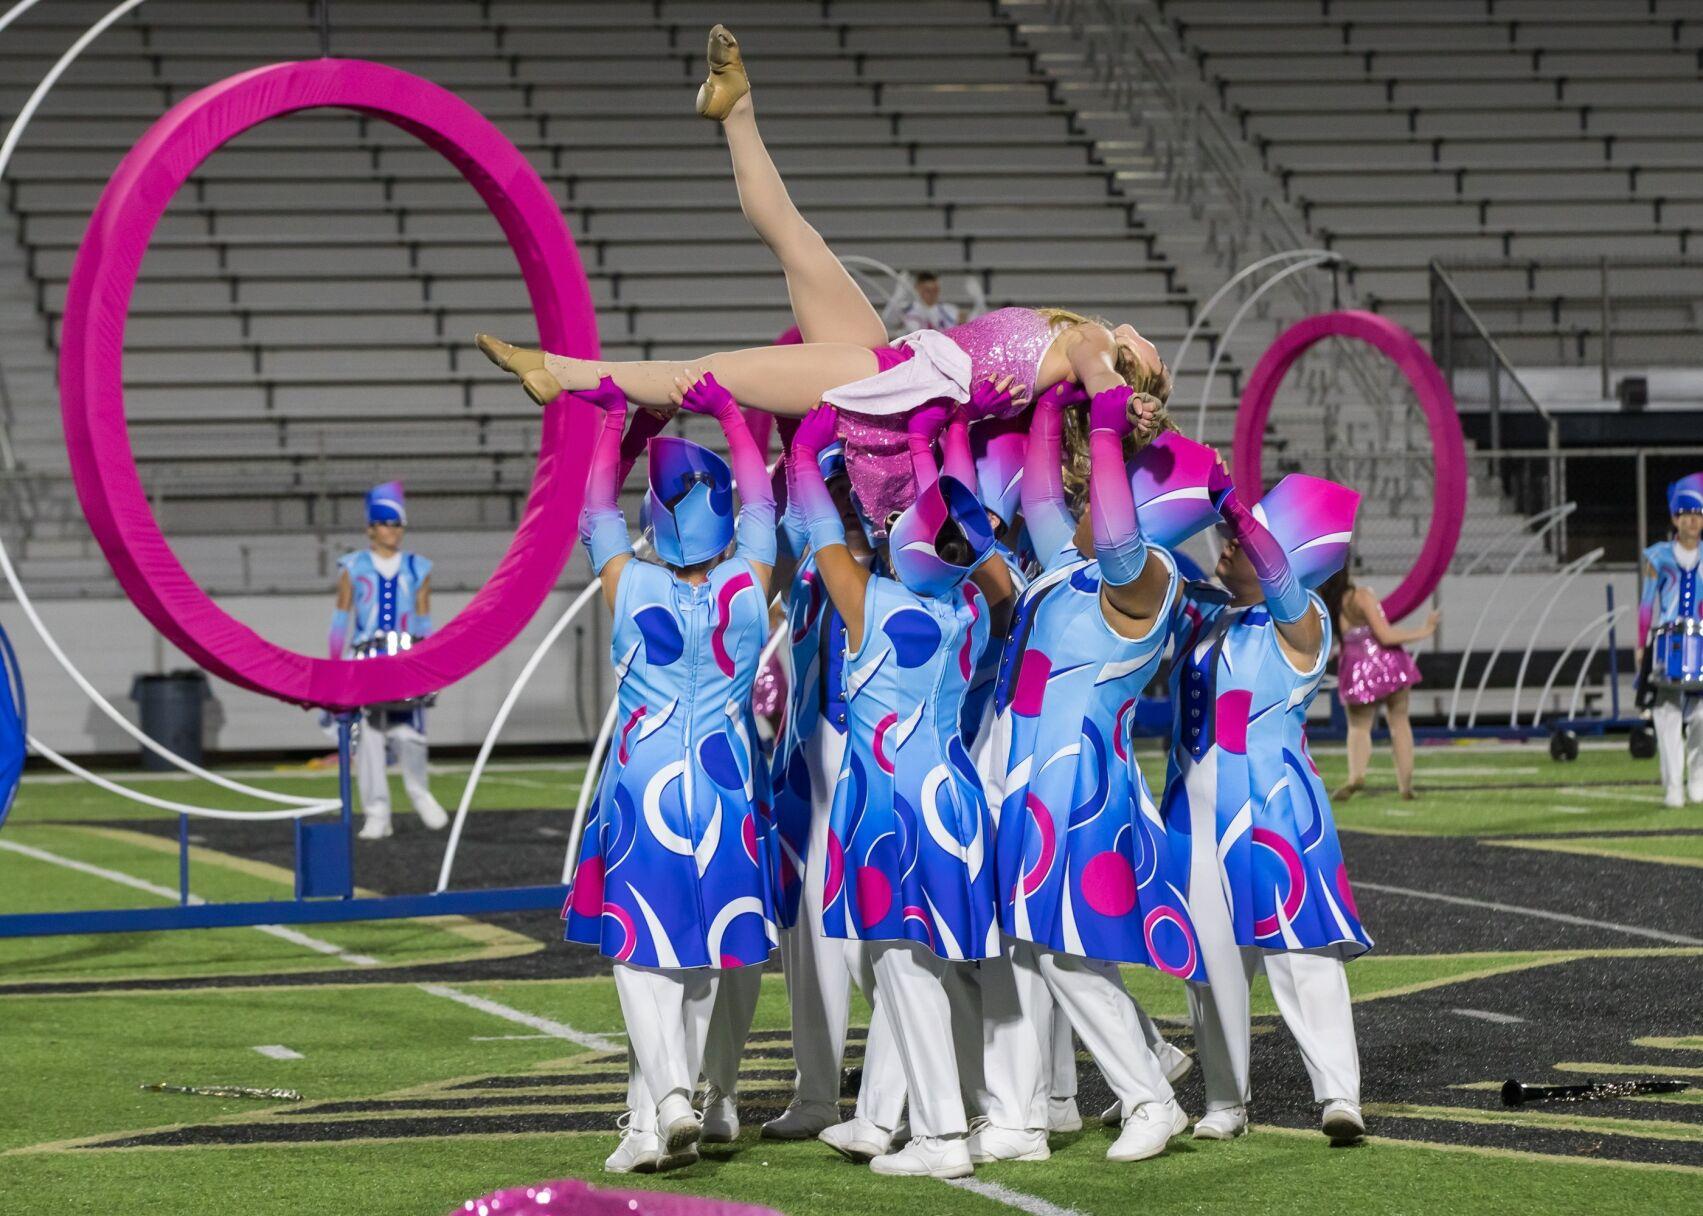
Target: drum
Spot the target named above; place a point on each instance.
(383, 645)
(1676, 655)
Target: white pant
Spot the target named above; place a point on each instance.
(1092, 996)
(410, 757)
(818, 969)
(911, 981)
(667, 1011)
(730, 1025)
(1678, 719)
(881, 1096)
(1311, 990)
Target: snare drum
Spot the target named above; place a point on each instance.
(383, 645)
(1676, 655)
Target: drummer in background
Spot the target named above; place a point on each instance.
(1668, 612)
(384, 604)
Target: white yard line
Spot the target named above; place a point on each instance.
(1033, 1204)
(556, 1030)
(277, 1051)
(293, 936)
(1486, 1015)
(1585, 791)
(506, 1038)
(1565, 918)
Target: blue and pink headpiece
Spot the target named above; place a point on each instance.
(1686, 494)
(911, 548)
(385, 504)
(1313, 519)
(1168, 480)
(999, 469)
(690, 500)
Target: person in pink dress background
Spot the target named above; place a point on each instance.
(1375, 671)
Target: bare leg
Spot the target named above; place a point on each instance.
(780, 379)
(1401, 740)
(827, 304)
(1360, 720)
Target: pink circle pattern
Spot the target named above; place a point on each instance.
(91, 373)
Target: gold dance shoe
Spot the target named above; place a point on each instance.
(727, 81)
(539, 384)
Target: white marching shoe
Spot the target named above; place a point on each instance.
(1148, 1130)
(721, 1117)
(677, 1124)
(432, 815)
(857, 1139)
(1343, 1122)
(989, 1142)
(638, 1153)
(1062, 1115)
(1222, 1123)
(376, 827)
(1174, 1060)
(927, 1157)
(801, 1121)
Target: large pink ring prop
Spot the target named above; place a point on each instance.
(1448, 497)
(92, 385)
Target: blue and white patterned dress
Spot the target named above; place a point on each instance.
(1241, 748)
(910, 839)
(1085, 864)
(675, 870)
(382, 605)
(815, 701)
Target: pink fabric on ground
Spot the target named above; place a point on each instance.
(571, 1197)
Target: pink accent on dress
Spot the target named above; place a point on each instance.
(1369, 671)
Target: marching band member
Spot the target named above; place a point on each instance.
(674, 881)
(1266, 884)
(384, 604)
(1672, 603)
(909, 833)
(1086, 876)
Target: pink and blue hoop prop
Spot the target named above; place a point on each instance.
(1448, 497)
(103, 464)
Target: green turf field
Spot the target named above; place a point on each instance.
(421, 1091)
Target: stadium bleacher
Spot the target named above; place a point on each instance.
(309, 300)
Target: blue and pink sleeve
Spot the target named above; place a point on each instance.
(1118, 543)
(1046, 511)
(807, 491)
(755, 531)
(1284, 595)
(603, 529)
(339, 636)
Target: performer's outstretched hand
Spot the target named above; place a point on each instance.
(1110, 411)
(927, 422)
(817, 430)
(1064, 395)
(992, 398)
(705, 395)
(607, 396)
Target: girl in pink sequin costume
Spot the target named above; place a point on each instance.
(845, 358)
(1375, 671)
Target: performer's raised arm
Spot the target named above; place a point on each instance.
(844, 576)
(755, 531)
(1052, 527)
(1133, 581)
(603, 529)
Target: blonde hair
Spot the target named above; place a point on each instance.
(1152, 390)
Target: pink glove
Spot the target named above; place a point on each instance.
(992, 399)
(1110, 411)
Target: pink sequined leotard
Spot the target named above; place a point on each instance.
(1005, 342)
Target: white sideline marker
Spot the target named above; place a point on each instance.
(1486, 1015)
(506, 1038)
(1033, 1204)
(552, 1029)
(1565, 918)
(293, 936)
(277, 1051)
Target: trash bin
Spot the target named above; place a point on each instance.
(171, 710)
